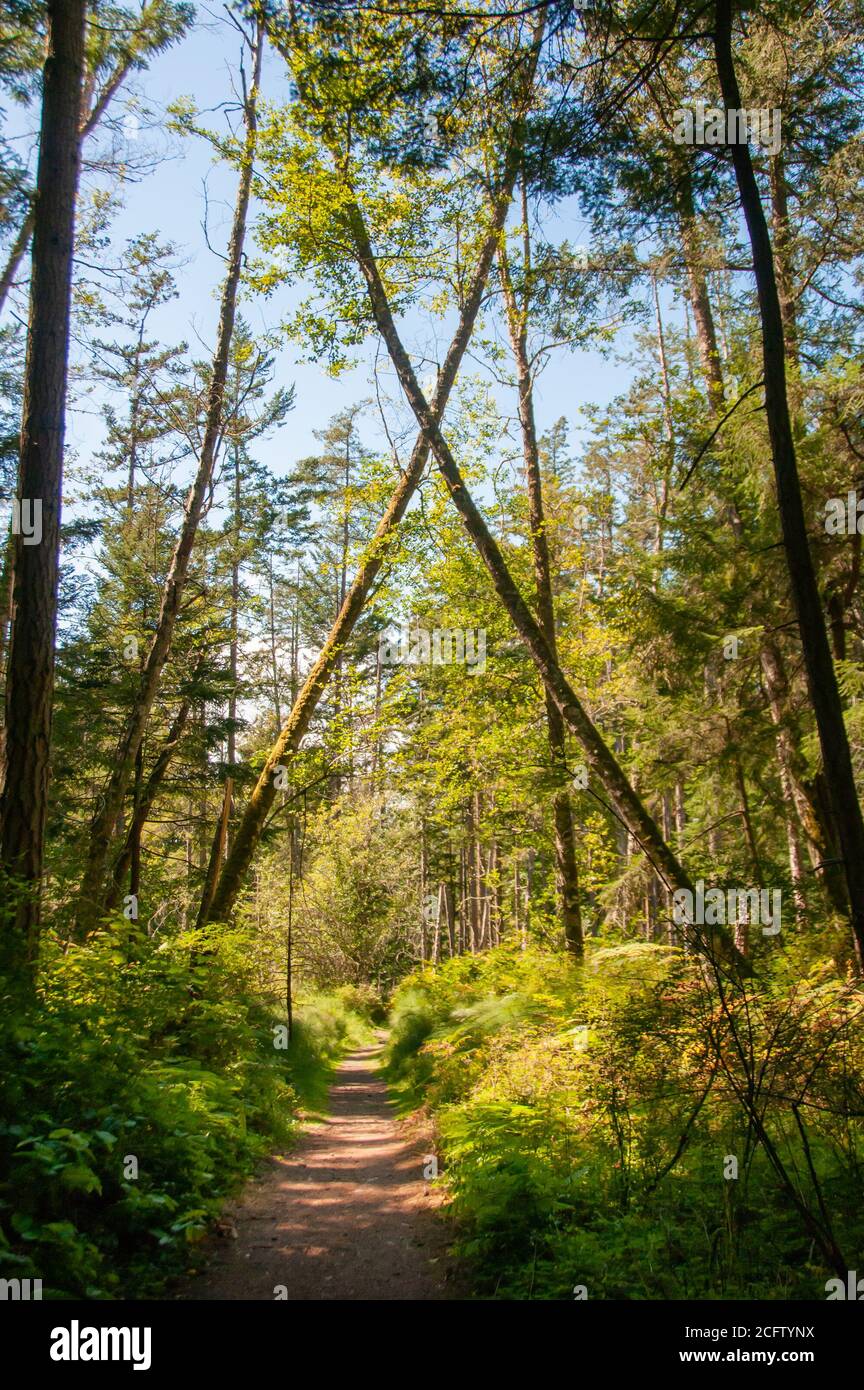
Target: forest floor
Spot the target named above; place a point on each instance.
(347, 1214)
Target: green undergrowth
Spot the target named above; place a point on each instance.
(591, 1126)
(136, 1094)
(349, 1016)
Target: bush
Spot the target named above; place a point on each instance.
(365, 1001)
(586, 1114)
(132, 1105)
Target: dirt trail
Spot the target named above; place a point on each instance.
(345, 1215)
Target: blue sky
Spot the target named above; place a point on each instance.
(172, 201)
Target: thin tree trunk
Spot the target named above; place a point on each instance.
(376, 742)
(566, 870)
(741, 927)
(818, 833)
(342, 589)
(648, 906)
(472, 872)
(666, 392)
(17, 252)
(451, 918)
(440, 908)
(217, 851)
(145, 802)
(423, 884)
(671, 838)
(783, 253)
(747, 818)
(793, 841)
(517, 890)
(30, 672)
(233, 647)
(706, 338)
(494, 896)
(91, 895)
(289, 944)
(821, 678)
(7, 586)
(697, 287)
(274, 663)
(295, 640)
(135, 859)
(529, 887)
(462, 935)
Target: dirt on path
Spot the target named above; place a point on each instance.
(346, 1215)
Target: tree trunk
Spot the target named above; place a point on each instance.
(92, 892)
(289, 945)
(136, 827)
(30, 671)
(494, 895)
(648, 906)
(472, 873)
(424, 874)
(234, 640)
(436, 935)
(793, 842)
(451, 918)
(566, 870)
(775, 681)
(697, 288)
(816, 827)
(517, 904)
(7, 585)
(17, 252)
(783, 253)
(463, 935)
(671, 838)
(145, 802)
(217, 851)
(821, 678)
(274, 661)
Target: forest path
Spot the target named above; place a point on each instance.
(345, 1215)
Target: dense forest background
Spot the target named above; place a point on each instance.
(365, 674)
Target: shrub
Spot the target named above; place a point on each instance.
(132, 1105)
(586, 1113)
